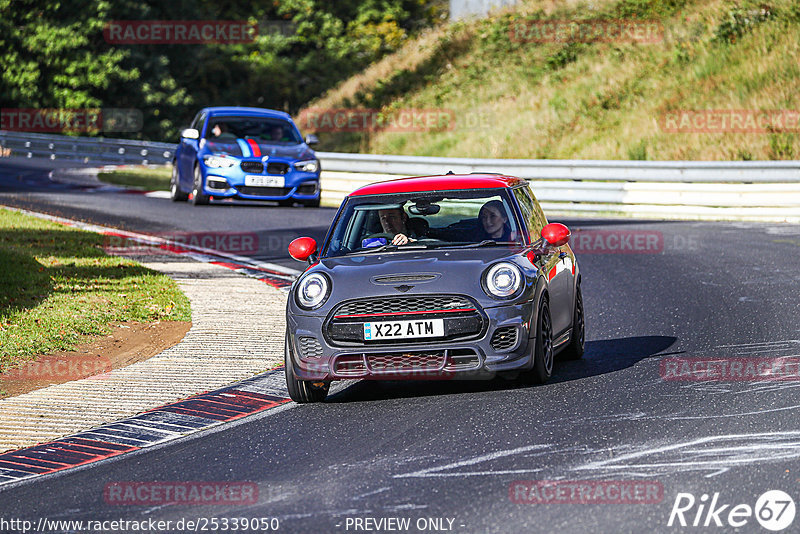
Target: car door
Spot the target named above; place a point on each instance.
(188, 153)
(556, 262)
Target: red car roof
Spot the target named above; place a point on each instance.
(448, 182)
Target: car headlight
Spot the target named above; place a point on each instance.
(307, 166)
(503, 280)
(313, 291)
(217, 162)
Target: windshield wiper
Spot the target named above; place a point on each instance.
(486, 243)
(392, 248)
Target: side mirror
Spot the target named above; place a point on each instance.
(556, 234)
(302, 248)
(190, 133)
(312, 139)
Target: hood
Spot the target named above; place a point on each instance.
(249, 148)
(435, 271)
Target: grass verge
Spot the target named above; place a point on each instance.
(147, 178)
(59, 288)
(513, 98)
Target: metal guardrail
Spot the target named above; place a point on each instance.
(550, 169)
(749, 190)
(85, 150)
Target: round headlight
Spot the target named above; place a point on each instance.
(503, 279)
(313, 291)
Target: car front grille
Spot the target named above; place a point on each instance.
(403, 305)
(263, 191)
(407, 364)
(252, 166)
(504, 338)
(275, 167)
(462, 318)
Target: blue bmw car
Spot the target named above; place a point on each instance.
(247, 154)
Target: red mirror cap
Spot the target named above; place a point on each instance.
(302, 247)
(556, 234)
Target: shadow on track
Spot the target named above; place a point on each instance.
(601, 357)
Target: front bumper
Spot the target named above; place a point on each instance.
(230, 183)
(502, 345)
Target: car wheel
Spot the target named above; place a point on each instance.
(577, 338)
(198, 198)
(542, 346)
(302, 391)
(175, 192)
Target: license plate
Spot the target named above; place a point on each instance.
(403, 329)
(264, 181)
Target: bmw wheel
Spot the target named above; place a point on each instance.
(302, 391)
(175, 192)
(198, 198)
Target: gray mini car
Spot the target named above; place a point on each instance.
(437, 277)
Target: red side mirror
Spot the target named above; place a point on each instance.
(302, 247)
(556, 234)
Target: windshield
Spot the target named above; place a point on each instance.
(262, 130)
(425, 220)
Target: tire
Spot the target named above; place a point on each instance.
(577, 338)
(175, 192)
(198, 198)
(542, 346)
(301, 391)
(311, 203)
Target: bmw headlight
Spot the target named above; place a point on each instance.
(313, 291)
(311, 165)
(218, 162)
(502, 280)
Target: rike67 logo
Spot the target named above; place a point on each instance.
(774, 510)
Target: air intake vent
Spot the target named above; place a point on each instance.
(402, 278)
(309, 347)
(504, 338)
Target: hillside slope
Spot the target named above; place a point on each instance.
(508, 97)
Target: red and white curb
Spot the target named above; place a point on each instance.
(159, 425)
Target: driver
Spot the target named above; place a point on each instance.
(395, 221)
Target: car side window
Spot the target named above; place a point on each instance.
(531, 212)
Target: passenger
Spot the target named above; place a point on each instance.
(494, 221)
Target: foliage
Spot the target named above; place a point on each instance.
(55, 54)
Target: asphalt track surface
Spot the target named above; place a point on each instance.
(451, 450)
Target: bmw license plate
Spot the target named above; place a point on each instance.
(264, 181)
(403, 329)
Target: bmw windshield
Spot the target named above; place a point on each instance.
(262, 130)
(443, 219)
